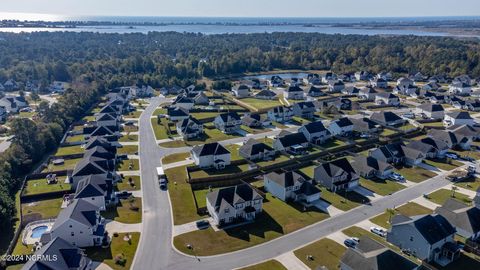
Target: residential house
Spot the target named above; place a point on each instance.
(201, 99)
(456, 102)
(386, 118)
(91, 166)
(379, 83)
(291, 186)
(255, 120)
(232, 204)
(369, 167)
(431, 86)
(328, 76)
(62, 254)
(314, 91)
(387, 76)
(437, 79)
(10, 85)
(141, 92)
(315, 132)
(293, 92)
(387, 99)
(80, 224)
(466, 130)
(280, 114)
(3, 114)
(431, 111)
(312, 79)
(176, 114)
(276, 81)
(241, 91)
(189, 128)
(105, 119)
(431, 147)
(367, 93)
(398, 153)
(304, 109)
(336, 86)
(341, 127)
(364, 125)
(97, 189)
(294, 143)
(13, 104)
(465, 218)
(228, 122)
(418, 77)
(460, 88)
(94, 130)
(174, 90)
(183, 102)
(404, 82)
(211, 155)
(463, 79)
(337, 175)
(370, 254)
(266, 94)
(438, 99)
(362, 75)
(458, 118)
(351, 91)
(428, 237)
(453, 139)
(255, 150)
(104, 142)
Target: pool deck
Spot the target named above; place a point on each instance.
(27, 238)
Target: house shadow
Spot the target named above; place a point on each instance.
(99, 254)
(263, 223)
(355, 197)
(112, 212)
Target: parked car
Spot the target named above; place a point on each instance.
(365, 135)
(163, 183)
(202, 224)
(378, 231)
(123, 194)
(26, 109)
(451, 155)
(467, 158)
(409, 115)
(397, 177)
(350, 243)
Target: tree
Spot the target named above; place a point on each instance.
(35, 97)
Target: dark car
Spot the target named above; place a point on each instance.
(352, 243)
(123, 194)
(202, 224)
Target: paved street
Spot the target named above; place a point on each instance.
(155, 249)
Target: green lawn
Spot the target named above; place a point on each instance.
(129, 138)
(409, 209)
(159, 130)
(204, 115)
(22, 249)
(134, 114)
(69, 150)
(118, 247)
(443, 164)
(230, 169)
(325, 252)
(128, 165)
(159, 111)
(387, 132)
(309, 171)
(261, 103)
(201, 196)
(129, 183)
(278, 218)
(472, 184)
(343, 201)
(131, 128)
(415, 174)
(278, 159)
(268, 265)
(127, 211)
(89, 118)
(39, 186)
(128, 149)
(181, 197)
(441, 195)
(43, 209)
(233, 148)
(68, 164)
(211, 135)
(15, 267)
(175, 158)
(75, 138)
(381, 187)
(333, 144)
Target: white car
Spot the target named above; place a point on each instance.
(396, 177)
(451, 155)
(409, 115)
(378, 231)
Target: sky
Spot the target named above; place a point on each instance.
(245, 8)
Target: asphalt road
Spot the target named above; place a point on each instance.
(155, 248)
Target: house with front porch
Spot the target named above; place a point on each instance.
(315, 132)
(304, 109)
(294, 92)
(337, 175)
(294, 143)
(211, 155)
(291, 186)
(465, 218)
(370, 167)
(280, 114)
(189, 128)
(228, 122)
(234, 204)
(341, 127)
(458, 118)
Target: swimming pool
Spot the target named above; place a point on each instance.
(38, 231)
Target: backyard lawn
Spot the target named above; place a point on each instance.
(39, 186)
(75, 138)
(175, 158)
(128, 149)
(211, 135)
(230, 169)
(181, 197)
(68, 164)
(443, 164)
(204, 115)
(278, 159)
(325, 252)
(441, 195)
(268, 265)
(134, 114)
(44, 209)
(118, 247)
(409, 209)
(127, 211)
(69, 150)
(309, 171)
(381, 187)
(126, 184)
(128, 165)
(416, 174)
(261, 103)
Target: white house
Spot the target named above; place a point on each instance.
(280, 114)
(342, 127)
(387, 99)
(80, 224)
(458, 118)
(294, 92)
(291, 186)
(367, 93)
(234, 204)
(241, 90)
(336, 86)
(211, 155)
(315, 132)
(432, 111)
(183, 102)
(379, 83)
(228, 122)
(13, 104)
(460, 88)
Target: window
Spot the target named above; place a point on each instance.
(411, 238)
(227, 210)
(72, 234)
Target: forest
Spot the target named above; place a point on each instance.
(97, 62)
